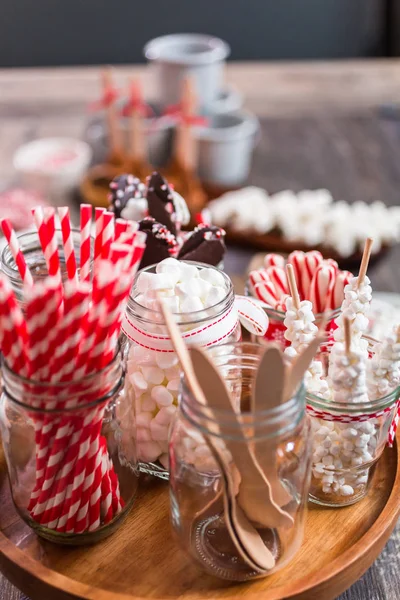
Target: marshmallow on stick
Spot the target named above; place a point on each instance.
(348, 369)
(356, 303)
(301, 329)
(384, 367)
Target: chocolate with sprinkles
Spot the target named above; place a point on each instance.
(160, 242)
(124, 188)
(205, 244)
(160, 201)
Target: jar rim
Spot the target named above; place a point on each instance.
(372, 406)
(12, 272)
(190, 317)
(293, 407)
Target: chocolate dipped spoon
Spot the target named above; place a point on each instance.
(245, 537)
(255, 494)
(268, 394)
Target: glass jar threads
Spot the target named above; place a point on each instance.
(199, 511)
(70, 453)
(202, 300)
(348, 440)
(31, 248)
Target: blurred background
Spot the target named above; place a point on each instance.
(78, 32)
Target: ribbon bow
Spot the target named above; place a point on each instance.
(177, 112)
(110, 94)
(136, 103)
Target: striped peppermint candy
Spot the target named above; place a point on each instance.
(321, 288)
(274, 260)
(267, 292)
(278, 277)
(312, 260)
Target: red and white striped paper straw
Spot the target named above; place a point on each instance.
(85, 225)
(16, 252)
(69, 251)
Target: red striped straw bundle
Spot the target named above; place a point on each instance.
(69, 330)
(318, 280)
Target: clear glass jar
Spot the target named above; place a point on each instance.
(153, 371)
(70, 453)
(280, 437)
(32, 250)
(276, 329)
(348, 440)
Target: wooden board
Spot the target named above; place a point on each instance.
(142, 560)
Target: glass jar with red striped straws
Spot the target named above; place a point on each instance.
(81, 484)
(30, 246)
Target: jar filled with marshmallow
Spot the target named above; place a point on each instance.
(352, 417)
(205, 449)
(202, 301)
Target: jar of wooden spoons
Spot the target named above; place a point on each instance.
(239, 462)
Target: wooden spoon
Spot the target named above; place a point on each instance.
(268, 394)
(245, 537)
(255, 495)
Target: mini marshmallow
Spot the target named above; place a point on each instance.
(173, 386)
(170, 267)
(162, 396)
(165, 415)
(143, 434)
(165, 360)
(148, 451)
(144, 419)
(214, 296)
(191, 304)
(188, 271)
(214, 277)
(147, 403)
(153, 375)
(138, 381)
(158, 431)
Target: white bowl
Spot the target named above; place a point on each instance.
(53, 166)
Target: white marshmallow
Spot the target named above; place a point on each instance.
(213, 276)
(162, 396)
(158, 431)
(165, 415)
(165, 360)
(148, 451)
(153, 375)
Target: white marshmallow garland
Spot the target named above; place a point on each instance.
(355, 306)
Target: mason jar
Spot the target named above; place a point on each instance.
(153, 371)
(276, 329)
(348, 440)
(200, 444)
(32, 250)
(70, 453)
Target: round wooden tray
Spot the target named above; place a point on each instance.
(142, 560)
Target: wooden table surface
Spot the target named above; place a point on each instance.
(321, 127)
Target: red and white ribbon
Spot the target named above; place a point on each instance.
(244, 310)
(343, 418)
